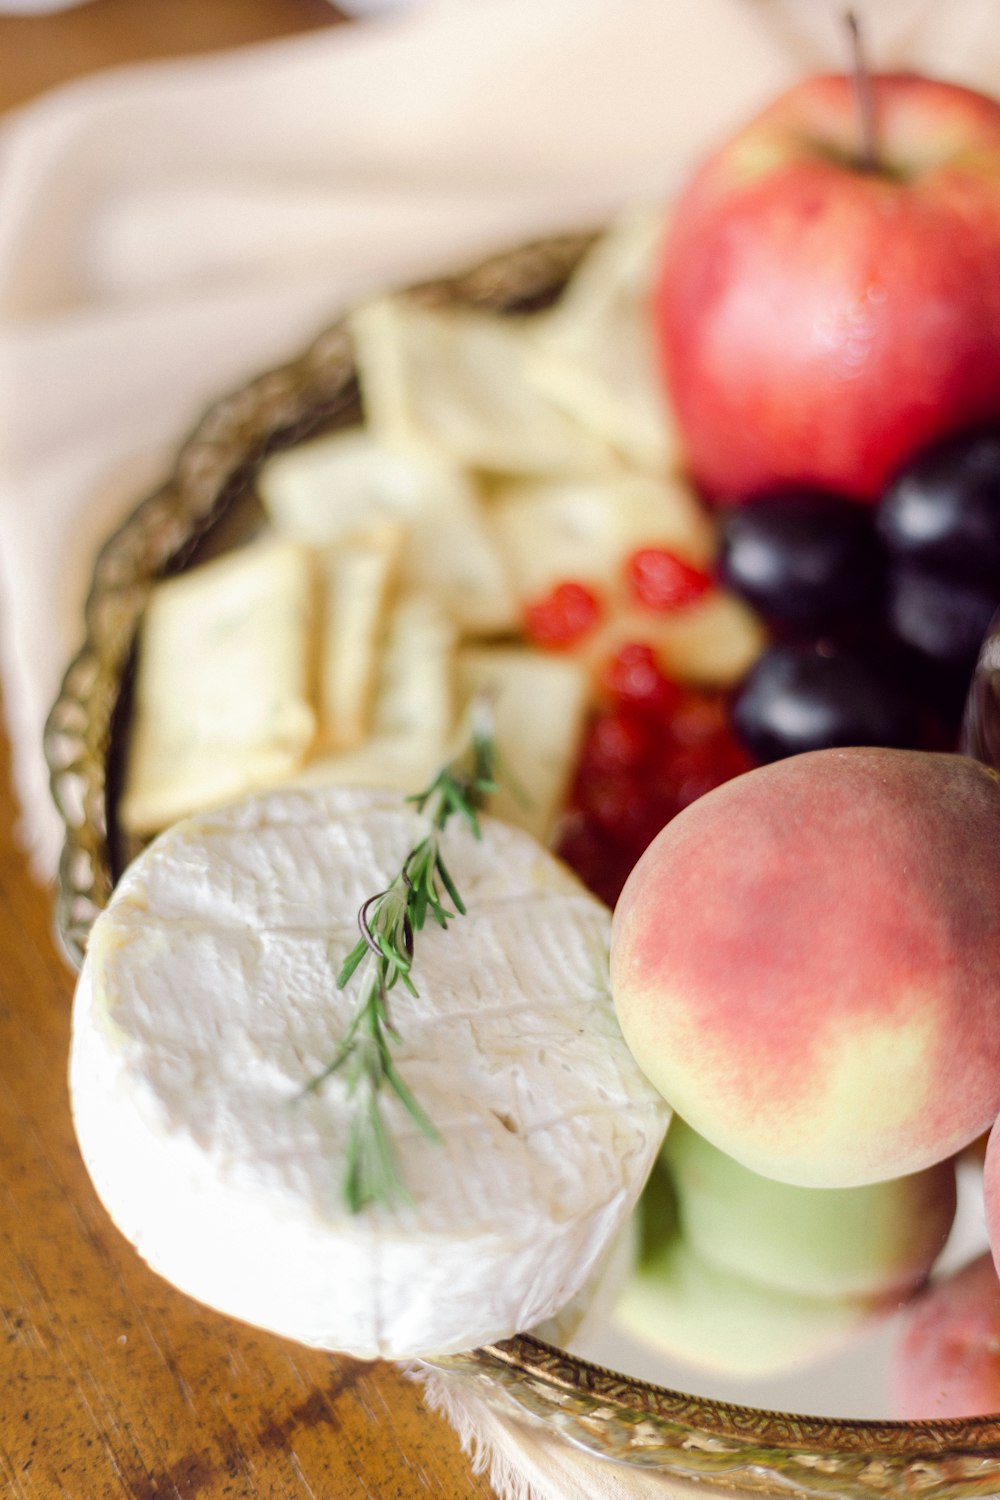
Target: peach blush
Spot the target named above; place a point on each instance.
(806, 964)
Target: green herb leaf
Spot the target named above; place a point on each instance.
(383, 958)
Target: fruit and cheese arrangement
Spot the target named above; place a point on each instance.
(502, 521)
(710, 545)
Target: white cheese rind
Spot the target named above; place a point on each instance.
(207, 1002)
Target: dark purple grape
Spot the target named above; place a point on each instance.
(817, 695)
(944, 619)
(980, 736)
(943, 510)
(802, 558)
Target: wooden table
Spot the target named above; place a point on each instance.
(114, 1386)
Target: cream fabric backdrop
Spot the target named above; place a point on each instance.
(168, 230)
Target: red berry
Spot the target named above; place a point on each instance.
(615, 802)
(625, 808)
(693, 773)
(567, 613)
(633, 676)
(615, 740)
(699, 716)
(661, 580)
(702, 752)
(592, 856)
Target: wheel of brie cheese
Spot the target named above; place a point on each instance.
(208, 1002)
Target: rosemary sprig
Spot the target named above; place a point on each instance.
(383, 955)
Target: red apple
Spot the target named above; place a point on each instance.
(821, 320)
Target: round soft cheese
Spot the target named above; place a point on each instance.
(209, 1001)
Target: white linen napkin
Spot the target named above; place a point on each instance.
(166, 231)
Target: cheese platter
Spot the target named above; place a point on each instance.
(539, 541)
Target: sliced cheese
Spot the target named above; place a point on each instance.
(208, 1001)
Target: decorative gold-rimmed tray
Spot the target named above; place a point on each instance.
(204, 505)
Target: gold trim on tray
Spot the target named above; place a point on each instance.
(738, 1449)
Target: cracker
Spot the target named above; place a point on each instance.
(355, 580)
(553, 532)
(595, 352)
(539, 705)
(461, 382)
(222, 703)
(413, 713)
(335, 488)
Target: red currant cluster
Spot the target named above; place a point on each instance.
(651, 747)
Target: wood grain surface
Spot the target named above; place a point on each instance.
(39, 51)
(113, 1384)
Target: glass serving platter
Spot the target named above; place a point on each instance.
(815, 1431)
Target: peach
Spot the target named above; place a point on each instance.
(806, 963)
(681, 1305)
(947, 1360)
(684, 1307)
(878, 1240)
(991, 1190)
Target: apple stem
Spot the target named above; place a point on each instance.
(861, 78)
